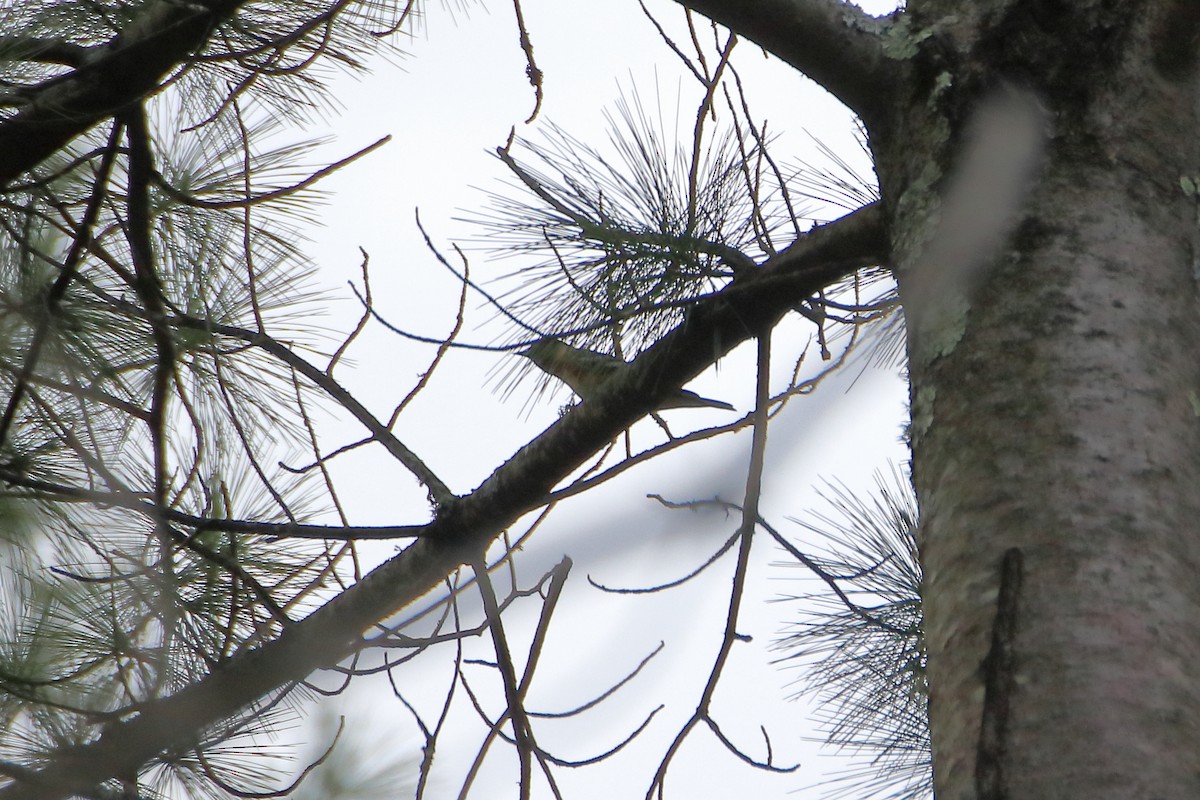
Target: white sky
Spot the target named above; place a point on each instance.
(447, 107)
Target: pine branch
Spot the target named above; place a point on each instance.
(463, 529)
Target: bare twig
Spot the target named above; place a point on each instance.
(531, 67)
(522, 731)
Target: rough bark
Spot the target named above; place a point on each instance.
(1054, 402)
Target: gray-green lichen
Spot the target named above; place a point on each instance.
(940, 320)
(941, 83)
(900, 41)
(941, 326)
(922, 412)
(918, 203)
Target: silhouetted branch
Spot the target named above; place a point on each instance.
(129, 66)
(833, 42)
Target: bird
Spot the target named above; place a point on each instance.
(585, 371)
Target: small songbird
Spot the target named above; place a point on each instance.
(586, 370)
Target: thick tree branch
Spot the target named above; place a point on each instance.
(833, 42)
(463, 529)
(127, 68)
(46, 51)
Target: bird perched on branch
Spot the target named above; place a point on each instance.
(585, 371)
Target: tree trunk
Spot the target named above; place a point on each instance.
(1056, 402)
